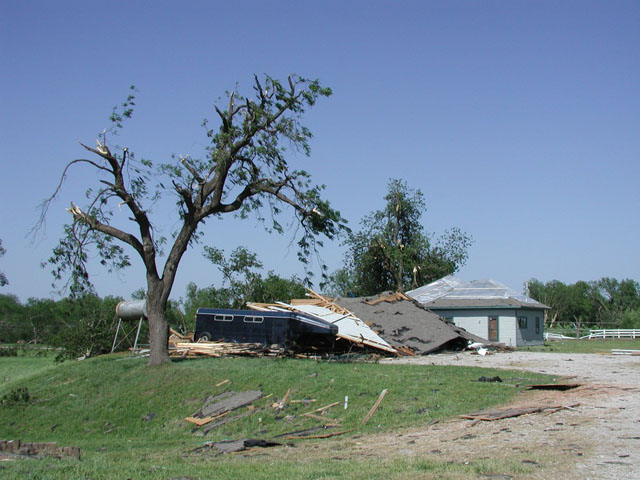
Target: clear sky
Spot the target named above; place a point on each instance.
(519, 120)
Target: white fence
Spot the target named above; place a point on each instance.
(604, 333)
(614, 333)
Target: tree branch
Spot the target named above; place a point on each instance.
(79, 215)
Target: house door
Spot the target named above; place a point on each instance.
(493, 329)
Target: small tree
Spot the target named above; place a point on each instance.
(392, 252)
(245, 168)
(241, 272)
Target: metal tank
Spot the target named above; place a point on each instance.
(131, 309)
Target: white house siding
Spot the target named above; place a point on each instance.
(529, 336)
(476, 321)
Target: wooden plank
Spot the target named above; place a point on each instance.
(328, 421)
(493, 415)
(283, 402)
(322, 409)
(375, 407)
(323, 435)
(199, 421)
(204, 420)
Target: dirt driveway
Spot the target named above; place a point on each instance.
(598, 439)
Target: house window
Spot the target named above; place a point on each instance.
(223, 318)
(537, 324)
(249, 319)
(522, 322)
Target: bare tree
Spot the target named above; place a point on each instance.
(244, 170)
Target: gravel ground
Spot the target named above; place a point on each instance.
(599, 439)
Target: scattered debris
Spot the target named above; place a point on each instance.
(302, 433)
(329, 422)
(219, 349)
(617, 351)
(232, 446)
(350, 326)
(375, 407)
(407, 325)
(226, 419)
(227, 401)
(322, 435)
(176, 337)
(554, 386)
(37, 449)
(492, 415)
(280, 405)
(322, 409)
(216, 406)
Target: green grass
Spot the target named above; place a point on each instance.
(586, 346)
(99, 405)
(23, 365)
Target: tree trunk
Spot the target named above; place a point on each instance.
(158, 325)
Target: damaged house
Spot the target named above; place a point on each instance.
(403, 322)
(485, 308)
(389, 322)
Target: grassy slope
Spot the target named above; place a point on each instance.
(99, 405)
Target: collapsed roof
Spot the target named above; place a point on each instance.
(451, 291)
(403, 322)
(350, 327)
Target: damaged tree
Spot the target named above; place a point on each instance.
(244, 169)
(393, 252)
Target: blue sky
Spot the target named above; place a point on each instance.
(519, 120)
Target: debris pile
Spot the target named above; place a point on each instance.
(392, 323)
(233, 446)
(216, 409)
(403, 322)
(37, 449)
(492, 415)
(219, 349)
(351, 327)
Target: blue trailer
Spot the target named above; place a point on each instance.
(285, 329)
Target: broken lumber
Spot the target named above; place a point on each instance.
(322, 435)
(219, 349)
(554, 386)
(391, 298)
(233, 446)
(198, 421)
(225, 420)
(38, 449)
(322, 409)
(490, 416)
(375, 407)
(280, 405)
(328, 421)
(216, 406)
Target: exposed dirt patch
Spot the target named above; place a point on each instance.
(599, 438)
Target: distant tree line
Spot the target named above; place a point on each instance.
(85, 325)
(604, 303)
